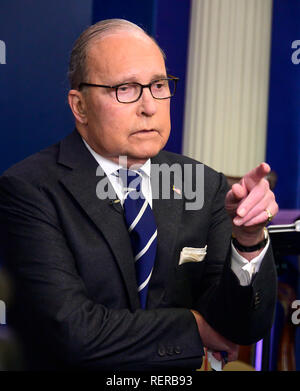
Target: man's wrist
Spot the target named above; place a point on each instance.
(252, 243)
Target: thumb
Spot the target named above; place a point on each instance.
(240, 190)
(237, 193)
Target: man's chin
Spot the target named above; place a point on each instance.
(145, 151)
(148, 153)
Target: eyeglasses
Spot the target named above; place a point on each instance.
(131, 92)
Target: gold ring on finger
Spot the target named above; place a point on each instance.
(270, 216)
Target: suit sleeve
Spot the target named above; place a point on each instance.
(53, 311)
(243, 314)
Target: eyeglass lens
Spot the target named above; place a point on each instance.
(160, 89)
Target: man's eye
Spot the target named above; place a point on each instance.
(127, 89)
(124, 88)
(160, 84)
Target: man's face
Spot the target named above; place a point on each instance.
(137, 130)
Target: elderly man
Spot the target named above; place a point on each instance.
(111, 276)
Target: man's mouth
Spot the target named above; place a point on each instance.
(145, 131)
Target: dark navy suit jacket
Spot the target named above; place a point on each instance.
(76, 303)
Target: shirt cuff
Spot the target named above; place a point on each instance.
(243, 268)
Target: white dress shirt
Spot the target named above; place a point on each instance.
(242, 268)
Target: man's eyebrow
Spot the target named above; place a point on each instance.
(135, 79)
(159, 76)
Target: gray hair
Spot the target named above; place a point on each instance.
(77, 65)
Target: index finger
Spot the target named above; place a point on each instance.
(253, 177)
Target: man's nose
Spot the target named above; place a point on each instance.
(147, 104)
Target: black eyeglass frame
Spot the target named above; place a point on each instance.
(170, 77)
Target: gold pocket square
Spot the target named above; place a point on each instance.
(192, 254)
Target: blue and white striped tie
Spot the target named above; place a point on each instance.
(142, 230)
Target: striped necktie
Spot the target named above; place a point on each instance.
(142, 230)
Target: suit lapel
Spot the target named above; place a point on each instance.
(82, 182)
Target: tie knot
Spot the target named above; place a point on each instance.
(131, 179)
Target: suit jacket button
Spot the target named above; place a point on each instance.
(177, 349)
(257, 300)
(170, 350)
(161, 351)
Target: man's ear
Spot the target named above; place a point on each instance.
(77, 103)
